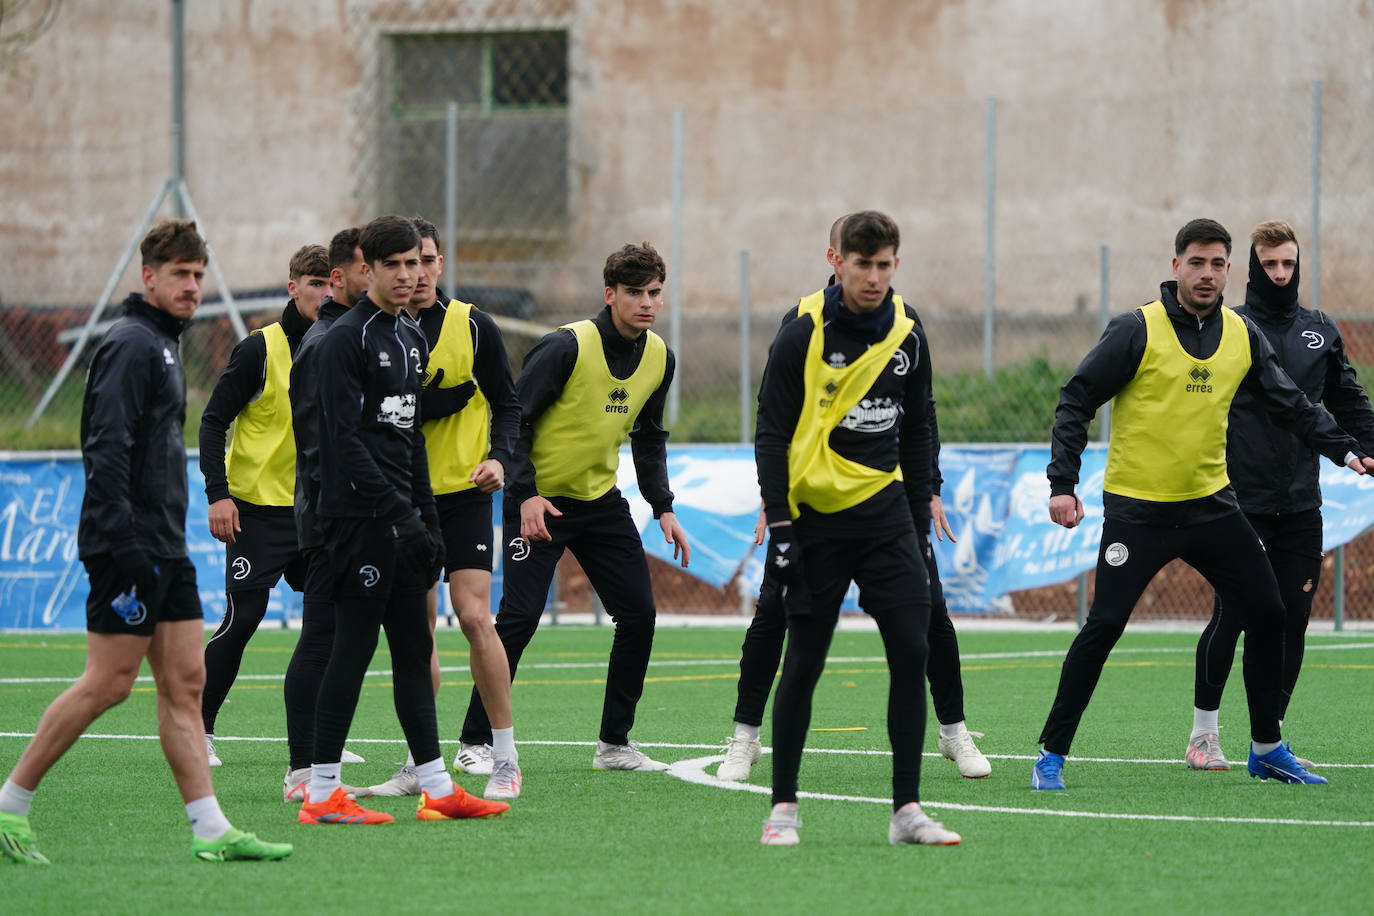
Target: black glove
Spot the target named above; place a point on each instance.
(133, 563)
(412, 540)
(430, 516)
(784, 556)
(436, 402)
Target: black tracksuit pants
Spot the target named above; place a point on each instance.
(1293, 544)
(603, 537)
(377, 586)
(894, 592)
(1228, 554)
(763, 641)
(305, 671)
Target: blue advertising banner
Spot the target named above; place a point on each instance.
(995, 497)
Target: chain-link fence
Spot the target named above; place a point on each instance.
(1026, 222)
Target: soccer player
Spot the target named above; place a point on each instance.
(305, 671)
(763, 641)
(131, 537)
(381, 532)
(843, 452)
(1173, 367)
(583, 389)
(1275, 474)
(472, 418)
(250, 494)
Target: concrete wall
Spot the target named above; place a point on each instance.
(1116, 122)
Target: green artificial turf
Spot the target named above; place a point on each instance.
(1151, 835)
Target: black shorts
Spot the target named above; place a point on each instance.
(468, 528)
(264, 550)
(365, 563)
(111, 609)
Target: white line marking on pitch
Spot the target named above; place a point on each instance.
(716, 662)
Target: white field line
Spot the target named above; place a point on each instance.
(716, 662)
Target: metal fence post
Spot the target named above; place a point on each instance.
(178, 102)
(746, 378)
(990, 240)
(1338, 591)
(1314, 299)
(1081, 600)
(451, 197)
(675, 269)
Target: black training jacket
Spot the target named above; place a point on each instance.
(903, 384)
(305, 423)
(547, 368)
(491, 371)
(241, 381)
(132, 416)
(1112, 363)
(372, 452)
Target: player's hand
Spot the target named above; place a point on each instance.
(138, 570)
(1066, 509)
(532, 512)
(224, 520)
(436, 402)
(1361, 465)
(939, 521)
(784, 555)
(760, 527)
(489, 476)
(673, 534)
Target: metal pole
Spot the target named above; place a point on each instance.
(1338, 591)
(80, 345)
(990, 242)
(1314, 280)
(746, 376)
(1081, 600)
(675, 268)
(598, 609)
(451, 198)
(178, 101)
(1104, 313)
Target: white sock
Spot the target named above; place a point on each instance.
(207, 821)
(324, 779)
(951, 731)
(747, 732)
(15, 799)
(784, 813)
(1204, 722)
(503, 744)
(434, 778)
(1263, 748)
(410, 759)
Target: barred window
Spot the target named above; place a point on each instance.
(512, 95)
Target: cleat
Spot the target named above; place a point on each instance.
(1048, 771)
(740, 756)
(350, 757)
(405, 781)
(623, 757)
(456, 806)
(237, 846)
(965, 754)
(1204, 753)
(912, 825)
(504, 782)
(294, 784)
(340, 808)
(780, 829)
(17, 841)
(1280, 764)
(210, 751)
(473, 758)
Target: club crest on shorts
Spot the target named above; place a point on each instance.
(519, 547)
(369, 574)
(129, 608)
(241, 568)
(1116, 554)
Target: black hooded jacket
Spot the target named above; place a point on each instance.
(1112, 363)
(1273, 471)
(132, 446)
